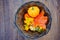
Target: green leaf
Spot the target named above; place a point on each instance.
(40, 30)
(37, 28)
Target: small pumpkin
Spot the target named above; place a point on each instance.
(33, 11)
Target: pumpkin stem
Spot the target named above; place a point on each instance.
(32, 8)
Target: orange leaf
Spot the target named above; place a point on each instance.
(26, 15)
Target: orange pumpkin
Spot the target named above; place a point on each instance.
(33, 11)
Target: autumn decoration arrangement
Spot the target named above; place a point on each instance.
(34, 20)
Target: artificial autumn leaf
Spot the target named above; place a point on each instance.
(41, 19)
(26, 15)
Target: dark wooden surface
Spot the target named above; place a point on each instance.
(8, 8)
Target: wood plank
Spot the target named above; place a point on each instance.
(14, 5)
(58, 7)
(8, 31)
(2, 27)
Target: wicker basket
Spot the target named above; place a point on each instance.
(19, 19)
